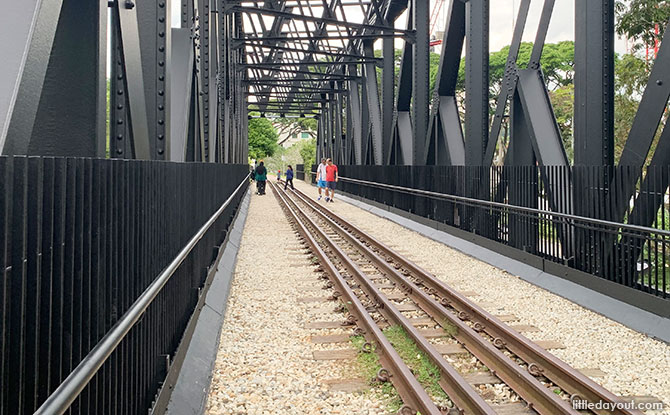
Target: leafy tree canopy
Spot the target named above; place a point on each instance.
(558, 62)
(262, 138)
(308, 153)
(638, 20)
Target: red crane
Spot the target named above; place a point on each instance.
(434, 17)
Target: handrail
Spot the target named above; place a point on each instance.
(435, 195)
(61, 399)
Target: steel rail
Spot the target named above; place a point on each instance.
(61, 399)
(435, 195)
(408, 387)
(529, 388)
(554, 369)
(457, 388)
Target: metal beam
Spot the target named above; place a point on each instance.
(323, 20)
(421, 78)
(32, 26)
(476, 81)
(374, 111)
(594, 83)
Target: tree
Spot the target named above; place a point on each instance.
(631, 74)
(308, 153)
(290, 126)
(642, 21)
(262, 138)
(562, 100)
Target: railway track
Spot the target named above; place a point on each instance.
(377, 285)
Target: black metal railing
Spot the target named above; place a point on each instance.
(84, 241)
(565, 216)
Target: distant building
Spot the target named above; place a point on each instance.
(287, 139)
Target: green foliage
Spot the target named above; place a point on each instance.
(631, 75)
(308, 152)
(297, 124)
(637, 20)
(563, 103)
(397, 60)
(369, 365)
(426, 372)
(262, 138)
(558, 61)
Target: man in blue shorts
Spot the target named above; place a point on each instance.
(321, 177)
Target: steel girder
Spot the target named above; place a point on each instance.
(48, 47)
(445, 139)
(476, 80)
(594, 83)
(53, 92)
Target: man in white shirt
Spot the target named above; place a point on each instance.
(321, 177)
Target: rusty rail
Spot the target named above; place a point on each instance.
(538, 360)
(408, 387)
(457, 388)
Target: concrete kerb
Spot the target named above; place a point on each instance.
(192, 387)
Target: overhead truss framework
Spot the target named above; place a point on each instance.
(335, 60)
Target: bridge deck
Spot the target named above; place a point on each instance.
(266, 358)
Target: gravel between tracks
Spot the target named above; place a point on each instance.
(634, 363)
(264, 363)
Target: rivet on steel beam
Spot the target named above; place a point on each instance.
(129, 4)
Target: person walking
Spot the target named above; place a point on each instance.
(331, 180)
(289, 177)
(261, 177)
(321, 177)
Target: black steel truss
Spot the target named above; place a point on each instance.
(175, 93)
(324, 49)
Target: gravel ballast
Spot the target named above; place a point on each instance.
(634, 364)
(264, 364)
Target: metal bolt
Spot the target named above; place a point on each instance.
(130, 4)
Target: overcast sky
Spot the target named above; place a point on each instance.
(502, 14)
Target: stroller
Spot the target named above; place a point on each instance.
(260, 187)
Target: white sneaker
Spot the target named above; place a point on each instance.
(319, 197)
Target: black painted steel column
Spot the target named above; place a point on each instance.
(594, 82)
(420, 81)
(388, 93)
(476, 81)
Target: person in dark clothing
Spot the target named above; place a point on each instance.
(261, 177)
(289, 177)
